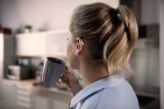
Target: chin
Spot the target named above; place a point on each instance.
(73, 62)
(73, 66)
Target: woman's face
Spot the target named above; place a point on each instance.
(72, 58)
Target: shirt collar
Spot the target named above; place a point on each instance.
(93, 88)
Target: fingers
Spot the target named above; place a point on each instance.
(60, 81)
(67, 74)
(69, 79)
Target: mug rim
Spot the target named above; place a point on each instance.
(56, 60)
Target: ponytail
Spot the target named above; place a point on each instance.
(119, 46)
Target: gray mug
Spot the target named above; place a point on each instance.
(52, 70)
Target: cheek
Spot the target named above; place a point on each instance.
(69, 49)
(72, 59)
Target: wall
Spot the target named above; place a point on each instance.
(0, 13)
(146, 11)
(53, 14)
(149, 11)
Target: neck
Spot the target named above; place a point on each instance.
(93, 73)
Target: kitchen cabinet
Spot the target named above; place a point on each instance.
(9, 95)
(41, 103)
(1, 104)
(47, 103)
(51, 43)
(30, 44)
(17, 95)
(7, 57)
(25, 97)
(1, 67)
(48, 99)
(1, 47)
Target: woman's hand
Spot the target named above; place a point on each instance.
(70, 80)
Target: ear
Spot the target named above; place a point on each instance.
(79, 46)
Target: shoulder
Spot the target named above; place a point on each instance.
(92, 101)
(118, 97)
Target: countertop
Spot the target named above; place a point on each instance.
(40, 90)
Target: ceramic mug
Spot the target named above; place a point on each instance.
(52, 70)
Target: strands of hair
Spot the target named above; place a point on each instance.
(109, 34)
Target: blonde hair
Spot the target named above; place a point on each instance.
(109, 34)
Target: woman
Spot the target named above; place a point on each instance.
(102, 40)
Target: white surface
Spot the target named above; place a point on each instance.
(52, 43)
(54, 14)
(30, 44)
(1, 46)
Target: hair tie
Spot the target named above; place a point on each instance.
(115, 15)
(119, 15)
(118, 18)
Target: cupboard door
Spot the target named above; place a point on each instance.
(46, 103)
(30, 44)
(40, 103)
(25, 97)
(1, 67)
(53, 43)
(60, 105)
(9, 95)
(1, 47)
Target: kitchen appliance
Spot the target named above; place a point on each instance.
(16, 72)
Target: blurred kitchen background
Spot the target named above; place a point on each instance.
(31, 30)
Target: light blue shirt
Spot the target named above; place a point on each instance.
(112, 92)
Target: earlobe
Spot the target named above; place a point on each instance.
(77, 50)
(79, 46)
